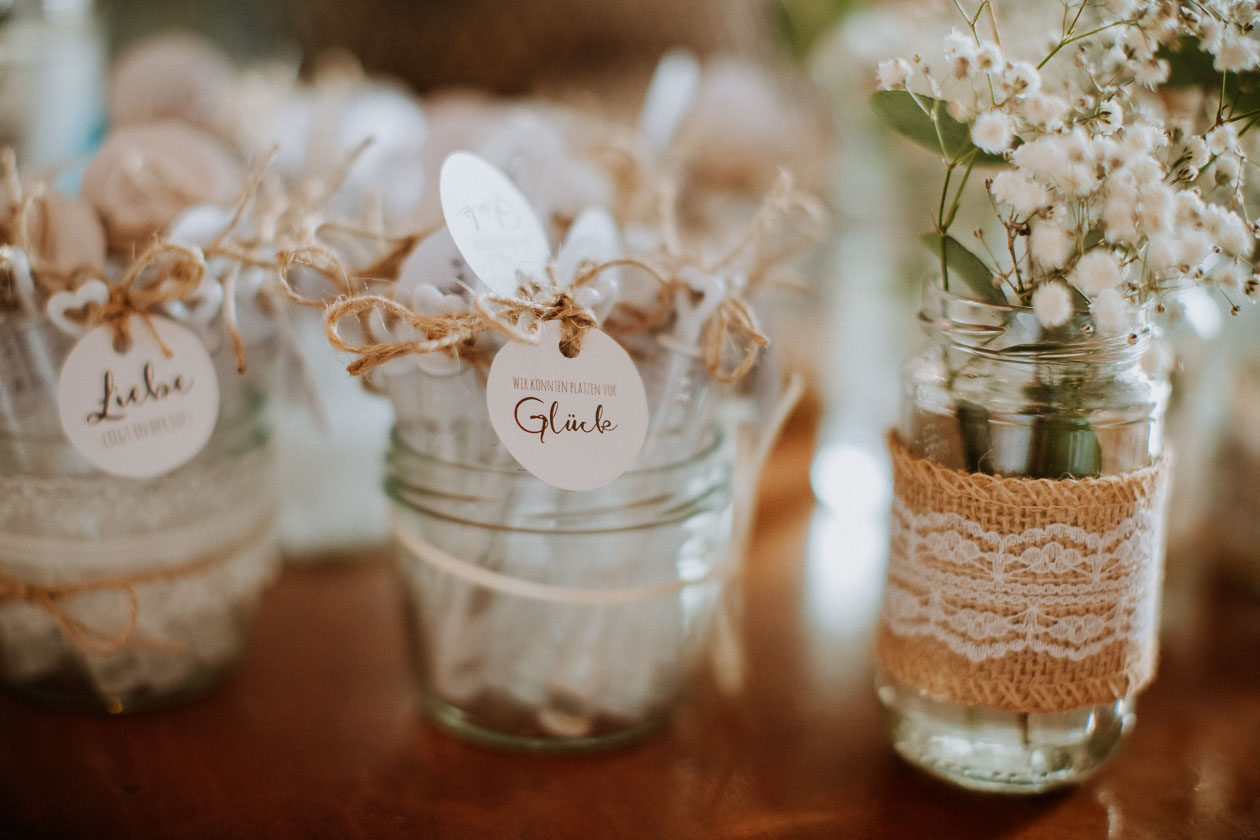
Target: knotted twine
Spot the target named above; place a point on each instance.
(1025, 595)
(51, 598)
(180, 271)
(731, 330)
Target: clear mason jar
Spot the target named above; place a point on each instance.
(546, 619)
(996, 394)
(123, 594)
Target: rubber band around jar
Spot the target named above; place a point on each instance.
(534, 590)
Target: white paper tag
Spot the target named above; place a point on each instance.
(495, 229)
(575, 423)
(139, 414)
(668, 98)
(593, 237)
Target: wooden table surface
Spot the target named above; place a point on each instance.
(318, 736)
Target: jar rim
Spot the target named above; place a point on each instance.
(977, 326)
(715, 439)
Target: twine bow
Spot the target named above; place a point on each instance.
(181, 270)
(51, 598)
(733, 323)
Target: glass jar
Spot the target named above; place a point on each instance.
(122, 594)
(1021, 609)
(546, 619)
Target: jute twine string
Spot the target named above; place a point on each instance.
(180, 272)
(1027, 595)
(51, 598)
(26, 204)
(730, 340)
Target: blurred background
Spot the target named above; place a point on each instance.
(794, 79)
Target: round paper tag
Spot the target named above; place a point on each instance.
(492, 224)
(575, 423)
(139, 414)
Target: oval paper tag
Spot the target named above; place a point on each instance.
(495, 229)
(139, 414)
(575, 423)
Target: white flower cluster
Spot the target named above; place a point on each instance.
(1224, 28)
(1102, 198)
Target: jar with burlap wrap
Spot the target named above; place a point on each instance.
(1020, 613)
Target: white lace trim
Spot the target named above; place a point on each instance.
(985, 595)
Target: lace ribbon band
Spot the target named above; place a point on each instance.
(1027, 595)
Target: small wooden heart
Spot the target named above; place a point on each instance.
(68, 310)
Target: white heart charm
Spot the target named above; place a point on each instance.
(592, 238)
(92, 291)
(201, 307)
(691, 317)
(434, 262)
(199, 225)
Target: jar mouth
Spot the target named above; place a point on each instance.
(651, 496)
(714, 439)
(1014, 331)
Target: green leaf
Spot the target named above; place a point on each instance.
(898, 110)
(977, 438)
(966, 266)
(1063, 447)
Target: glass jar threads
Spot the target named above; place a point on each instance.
(1021, 608)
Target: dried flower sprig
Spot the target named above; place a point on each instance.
(1102, 199)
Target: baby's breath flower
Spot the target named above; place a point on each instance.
(1111, 314)
(960, 53)
(1022, 77)
(1156, 210)
(1119, 212)
(1052, 304)
(1232, 278)
(1050, 245)
(992, 131)
(1229, 231)
(1145, 171)
(1136, 44)
(1151, 72)
(1195, 249)
(894, 74)
(1163, 254)
(1251, 288)
(1189, 207)
(989, 58)
(1223, 138)
(1110, 117)
(1077, 180)
(1042, 158)
(1226, 169)
(1019, 192)
(1197, 150)
(1096, 271)
(1236, 52)
(1044, 110)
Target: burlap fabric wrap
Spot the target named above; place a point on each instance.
(1026, 595)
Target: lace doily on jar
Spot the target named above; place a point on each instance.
(1026, 595)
